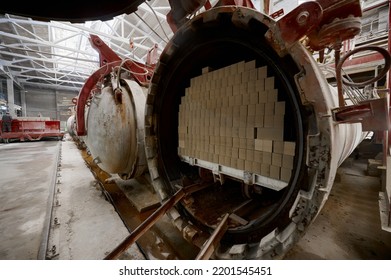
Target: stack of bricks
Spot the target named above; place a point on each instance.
(231, 116)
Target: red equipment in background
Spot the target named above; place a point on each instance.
(31, 129)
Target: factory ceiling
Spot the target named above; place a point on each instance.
(58, 54)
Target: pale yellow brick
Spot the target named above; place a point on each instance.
(264, 133)
(250, 144)
(229, 141)
(236, 89)
(258, 145)
(235, 152)
(272, 95)
(277, 159)
(260, 84)
(275, 172)
(245, 77)
(250, 155)
(269, 108)
(250, 65)
(260, 109)
(235, 129)
(265, 170)
(267, 158)
(252, 75)
(268, 121)
(279, 108)
(250, 133)
(243, 89)
(258, 121)
(234, 162)
(246, 99)
(262, 96)
(238, 100)
(240, 164)
(278, 147)
(285, 174)
(235, 142)
(256, 168)
(258, 156)
(262, 72)
(243, 143)
(251, 110)
(240, 66)
(278, 121)
(251, 121)
(233, 69)
(287, 161)
(242, 132)
(269, 83)
(289, 148)
(253, 97)
(267, 146)
(206, 70)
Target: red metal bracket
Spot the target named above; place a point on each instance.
(141, 73)
(108, 60)
(240, 3)
(85, 92)
(181, 9)
(299, 22)
(372, 114)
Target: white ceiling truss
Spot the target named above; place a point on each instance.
(59, 55)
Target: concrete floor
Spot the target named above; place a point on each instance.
(88, 227)
(348, 227)
(26, 179)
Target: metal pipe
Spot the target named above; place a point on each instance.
(147, 224)
(151, 220)
(214, 240)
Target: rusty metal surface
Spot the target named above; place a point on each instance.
(146, 225)
(214, 241)
(162, 241)
(299, 22)
(85, 93)
(109, 61)
(339, 9)
(336, 24)
(153, 219)
(116, 129)
(111, 128)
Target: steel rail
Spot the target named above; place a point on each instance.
(153, 218)
(210, 245)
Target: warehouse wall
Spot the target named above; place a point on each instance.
(55, 104)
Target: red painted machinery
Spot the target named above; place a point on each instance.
(31, 129)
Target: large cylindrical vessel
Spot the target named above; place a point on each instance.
(71, 126)
(227, 112)
(115, 129)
